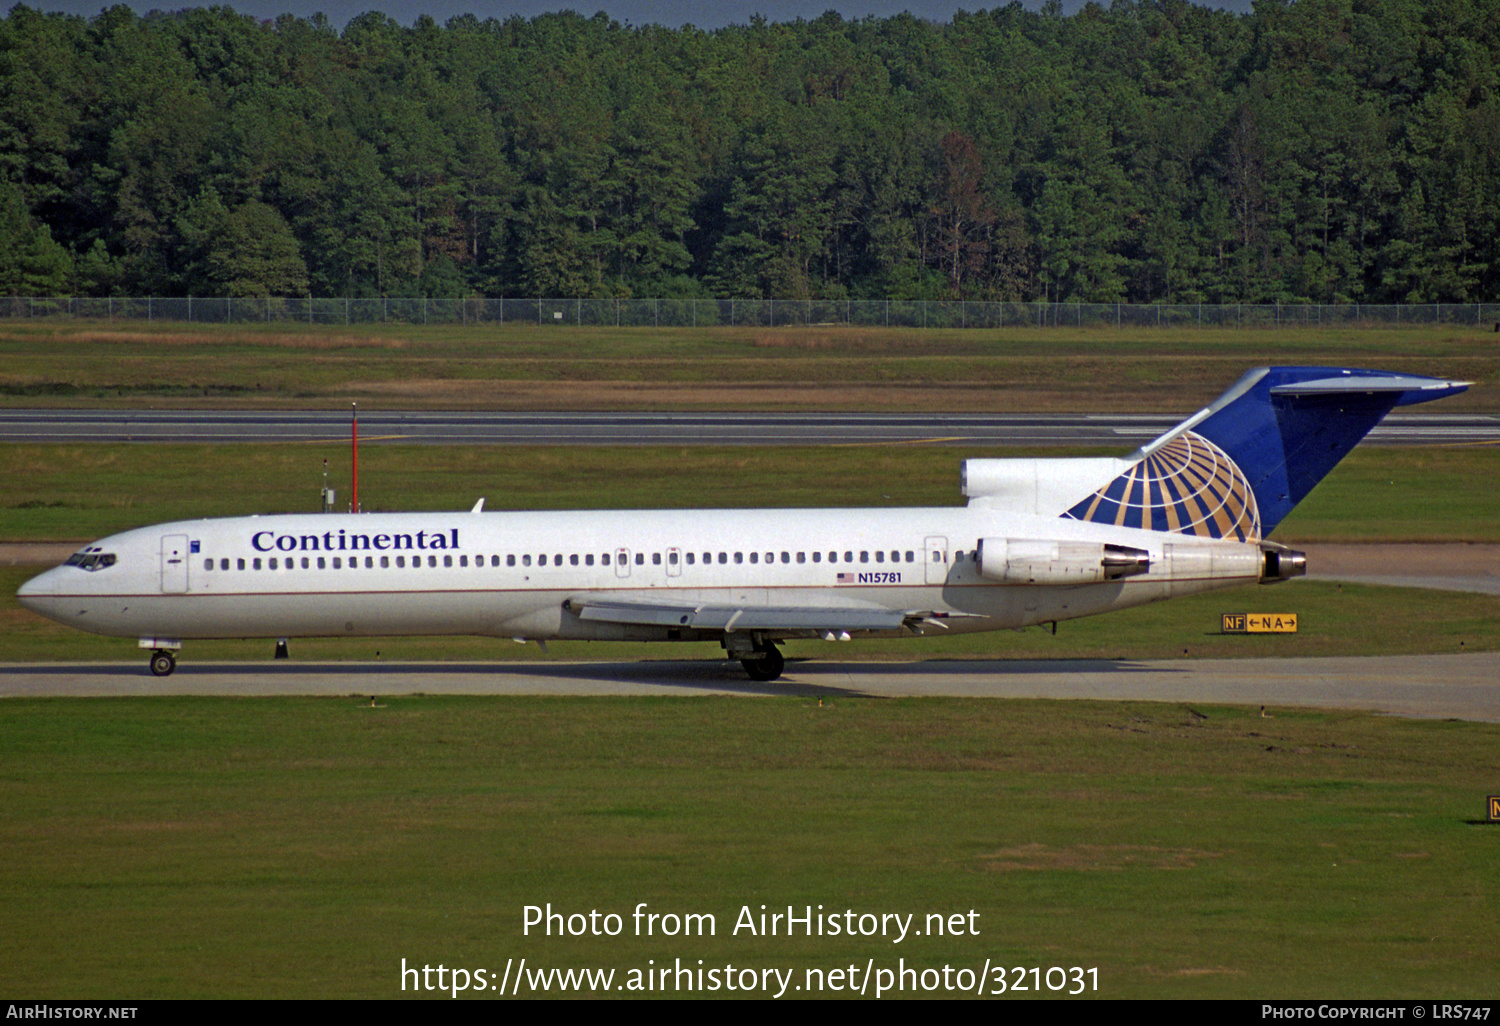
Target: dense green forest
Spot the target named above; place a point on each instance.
(1325, 150)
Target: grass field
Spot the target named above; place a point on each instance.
(189, 847)
(182, 847)
(82, 492)
(397, 366)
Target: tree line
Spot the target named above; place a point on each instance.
(1323, 151)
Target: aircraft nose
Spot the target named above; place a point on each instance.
(38, 588)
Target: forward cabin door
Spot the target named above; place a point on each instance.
(174, 564)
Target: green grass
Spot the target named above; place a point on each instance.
(181, 847)
(73, 363)
(82, 492)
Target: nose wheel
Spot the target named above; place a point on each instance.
(163, 663)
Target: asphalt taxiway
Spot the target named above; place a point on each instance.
(765, 429)
(1459, 686)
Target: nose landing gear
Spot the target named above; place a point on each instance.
(163, 663)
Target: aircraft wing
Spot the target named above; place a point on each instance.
(747, 618)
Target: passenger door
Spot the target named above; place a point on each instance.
(174, 564)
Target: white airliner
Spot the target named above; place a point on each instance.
(1040, 540)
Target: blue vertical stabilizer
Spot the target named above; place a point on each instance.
(1236, 468)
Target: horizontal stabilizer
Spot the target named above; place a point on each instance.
(1434, 387)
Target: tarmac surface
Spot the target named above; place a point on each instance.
(1460, 686)
(764, 429)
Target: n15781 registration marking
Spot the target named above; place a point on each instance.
(881, 577)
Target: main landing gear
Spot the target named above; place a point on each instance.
(766, 664)
(163, 663)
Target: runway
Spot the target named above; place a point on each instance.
(1459, 686)
(764, 429)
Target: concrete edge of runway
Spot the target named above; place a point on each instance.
(1455, 686)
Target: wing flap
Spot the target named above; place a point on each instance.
(742, 618)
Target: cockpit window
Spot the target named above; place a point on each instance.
(91, 560)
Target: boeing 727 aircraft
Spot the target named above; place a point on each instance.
(1040, 540)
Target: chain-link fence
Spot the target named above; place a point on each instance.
(699, 313)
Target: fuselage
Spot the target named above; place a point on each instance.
(521, 575)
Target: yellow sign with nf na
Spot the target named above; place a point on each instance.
(1495, 808)
(1258, 623)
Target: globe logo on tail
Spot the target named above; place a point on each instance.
(1188, 486)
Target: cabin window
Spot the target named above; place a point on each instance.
(385, 562)
(400, 562)
(322, 563)
(447, 560)
(689, 559)
(911, 557)
(656, 559)
(271, 563)
(604, 559)
(724, 557)
(739, 557)
(786, 557)
(241, 564)
(573, 559)
(257, 562)
(864, 557)
(464, 561)
(338, 564)
(305, 563)
(588, 559)
(640, 559)
(672, 557)
(817, 556)
(848, 557)
(958, 557)
(755, 557)
(879, 556)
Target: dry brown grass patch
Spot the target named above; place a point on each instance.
(1088, 857)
